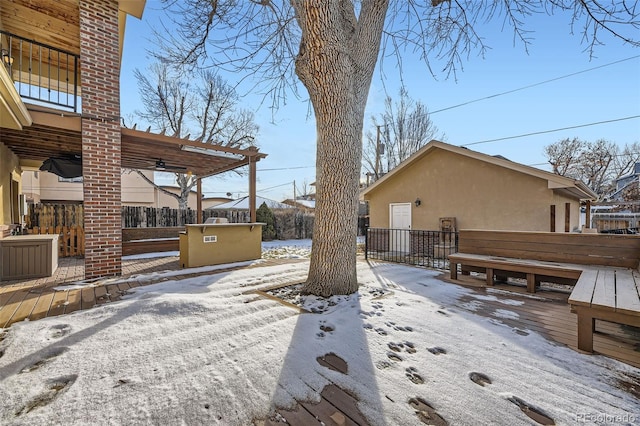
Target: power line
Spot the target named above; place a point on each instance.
(551, 131)
(533, 85)
(286, 168)
(273, 187)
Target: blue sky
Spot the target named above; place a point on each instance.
(608, 92)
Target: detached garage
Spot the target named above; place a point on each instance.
(445, 186)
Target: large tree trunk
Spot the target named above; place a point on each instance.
(338, 53)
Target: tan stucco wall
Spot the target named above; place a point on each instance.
(164, 200)
(235, 242)
(135, 190)
(9, 171)
(46, 186)
(53, 190)
(478, 194)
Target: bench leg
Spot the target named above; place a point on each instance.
(531, 283)
(586, 325)
(489, 277)
(454, 270)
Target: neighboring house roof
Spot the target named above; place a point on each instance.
(221, 199)
(243, 204)
(625, 182)
(309, 204)
(556, 182)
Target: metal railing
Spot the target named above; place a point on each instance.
(414, 247)
(40, 72)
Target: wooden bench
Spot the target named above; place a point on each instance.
(533, 271)
(150, 240)
(606, 294)
(150, 246)
(540, 256)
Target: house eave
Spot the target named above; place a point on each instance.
(554, 182)
(13, 112)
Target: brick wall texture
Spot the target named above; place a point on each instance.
(100, 73)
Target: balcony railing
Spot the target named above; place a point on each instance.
(40, 72)
(414, 247)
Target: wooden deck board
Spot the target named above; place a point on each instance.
(73, 301)
(627, 299)
(324, 410)
(582, 295)
(41, 307)
(298, 417)
(604, 293)
(101, 295)
(58, 303)
(8, 310)
(87, 298)
(343, 402)
(7, 294)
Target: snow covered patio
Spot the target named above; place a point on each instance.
(204, 349)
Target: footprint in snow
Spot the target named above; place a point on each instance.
(479, 378)
(378, 330)
(55, 387)
(394, 356)
(60, 330)
(399, 347)
(381, 365)
(412, 374)
(437, 350)
(534, 413)
(398, 327)
(426, 413)
(327, 328)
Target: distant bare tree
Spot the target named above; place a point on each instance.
(563, 156)
(204, 108)
(598, 164)
(303, 189)
(403, 128)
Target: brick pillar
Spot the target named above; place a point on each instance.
(100, 73)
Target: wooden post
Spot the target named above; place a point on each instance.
(199, 202)
(567, 217)
(531, 283)
(552, 219)
(587, 210)
(252, 186)
(586, 326)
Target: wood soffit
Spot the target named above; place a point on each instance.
(57, 135)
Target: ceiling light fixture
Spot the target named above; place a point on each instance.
(6, 57)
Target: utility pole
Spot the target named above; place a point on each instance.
(377, 152)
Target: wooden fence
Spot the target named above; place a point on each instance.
(67, 220)
(70, 238)
(48, 215)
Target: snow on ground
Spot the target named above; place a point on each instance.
(203, 351)
(289, 249)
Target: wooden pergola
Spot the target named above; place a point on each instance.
(54, 134)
